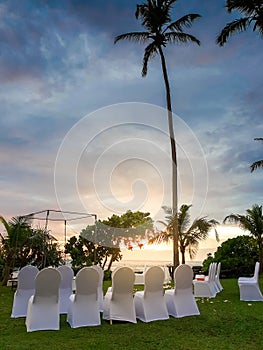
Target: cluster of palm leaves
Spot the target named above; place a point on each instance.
(190, 233)
(24, 245)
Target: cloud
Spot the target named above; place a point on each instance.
(58, 64)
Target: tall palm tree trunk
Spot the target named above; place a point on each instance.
(174, 160)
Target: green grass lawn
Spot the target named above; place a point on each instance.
(224, 323)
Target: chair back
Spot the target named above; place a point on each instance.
(183, 277)
(47, 284)
(256, 271)
(210, 272)
(67, 275)
(101, 273)
(218, 269)
(26, 277)
(122, 281)
(153, 280)
(87, 281)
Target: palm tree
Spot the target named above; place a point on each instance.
(259, 163)
(253, 13)
(18, 231)
(160, 30)
(190, 234)
(252, 222)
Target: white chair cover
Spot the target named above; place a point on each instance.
(25, 288)
(84, 305)
(150, 303)
(206, 288)
(65, 289)
(212, 277)
(43, 306)
(100, 286)
(249, 287)
(217, 277)
(254, 278)
(118, 301)
(180, 301)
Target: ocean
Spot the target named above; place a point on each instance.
(140, 265)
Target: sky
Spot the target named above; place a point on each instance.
(82, 131)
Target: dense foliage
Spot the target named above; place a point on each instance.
(22, 245)
(252, 222)
(100, 243)
(237, 256)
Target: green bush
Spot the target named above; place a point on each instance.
(237, 256)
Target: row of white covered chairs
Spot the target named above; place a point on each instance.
(208, 286)
(41, 296)
(42, 302)
(152, 303)
(26, 288)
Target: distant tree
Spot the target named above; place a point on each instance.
(13, 244)
(253, 15)
(98, 240)
(105, 237)
(160, 30)
(81, 251)
(24, 245)
(252, 222)
(130, 228)
(259, 163)
(43, 249)
(237, 256)
(190, 234)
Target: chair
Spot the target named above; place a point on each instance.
(100, 286)
(84, 304)
(150, 303)
(249, 287)
(206, 288)
(180, 301)
(43, 306)
(25, 288)
(217, 279)
(212, 277)
(118, 301)
(65, 289)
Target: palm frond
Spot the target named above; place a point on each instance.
(181, 38)
(247, 7)
(236, 26)
(184, 217)
(193, 249)
(138, 37)
(256, 165)
(258, 24)
(154, 14)
(232, 219)
(150, 52)
(5, 223)
(162, 222)
(167, 210)
(185, 21)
